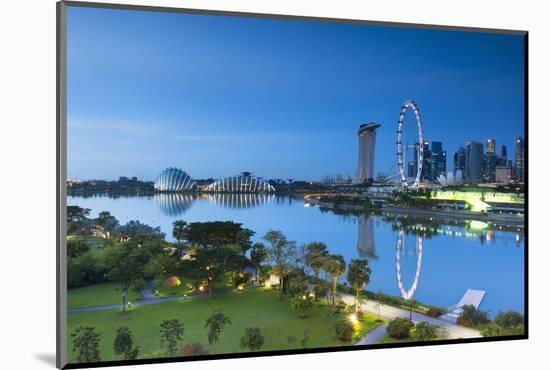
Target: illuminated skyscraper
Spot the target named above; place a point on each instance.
(520, 160)
(491, 146)
(438, 160)
(474, 162)
(459, 160)
(490, 161)
(367, 141)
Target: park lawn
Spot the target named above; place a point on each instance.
(253, 307)
(186, 287)
(98, 295)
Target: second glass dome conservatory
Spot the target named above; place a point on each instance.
(245, 183)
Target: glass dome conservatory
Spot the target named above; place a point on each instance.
(244, 183)
(174, 179)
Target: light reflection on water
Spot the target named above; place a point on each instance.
(455, 257)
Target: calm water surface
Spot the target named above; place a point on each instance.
(454, 260)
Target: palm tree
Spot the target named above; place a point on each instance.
(358, 276)
(335, 266)
(316, 253)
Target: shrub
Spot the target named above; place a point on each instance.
(193, 349)
(344, 330)
(340, 305)
(302, 303)
(434, 312)
(494, 330)
(252, 339)
(321, 290)
(472, 316)
(425, 331)
(399, 328)
(509, 319)
(464, 322)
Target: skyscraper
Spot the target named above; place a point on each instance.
(459, 160)
(491, 144)
(426, 162)
(367, 141)
(438, 160)
(520, 160)
(473, 172)
(503, 152)
(490, 161)
(502, 160)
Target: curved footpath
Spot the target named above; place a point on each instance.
(453, 330)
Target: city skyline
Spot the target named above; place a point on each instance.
(219, 95)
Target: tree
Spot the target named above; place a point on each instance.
(124, 344)
(215, 324)
(76, 213)
(472, 316)
(281, 253)
(258, 254)
(75, 248)
(193, 349)
(209, 264)
(212, 234)
(179, 230)
(335, 266)
(243, 239)
(171, 332)
(358, 276)
(136, 230)
(107, 223)
(125, 265)
(321, 289)
(86, 344)
(316, 253)
(84, 270)
(252, 339)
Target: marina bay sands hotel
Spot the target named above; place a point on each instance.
(367, 141)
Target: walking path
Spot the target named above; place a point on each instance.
(142, 302)
(453, 330)
(373, 336)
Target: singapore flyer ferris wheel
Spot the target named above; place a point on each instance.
(409, 104)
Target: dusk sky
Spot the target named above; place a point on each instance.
(219, 95)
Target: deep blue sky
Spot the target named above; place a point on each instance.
(219, 95)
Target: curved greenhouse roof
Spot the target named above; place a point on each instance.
(241, 184)
(174, 179)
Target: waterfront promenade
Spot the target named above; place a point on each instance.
(453, 330)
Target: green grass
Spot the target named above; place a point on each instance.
(259, 307)
(98, 295)
(186, 287)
